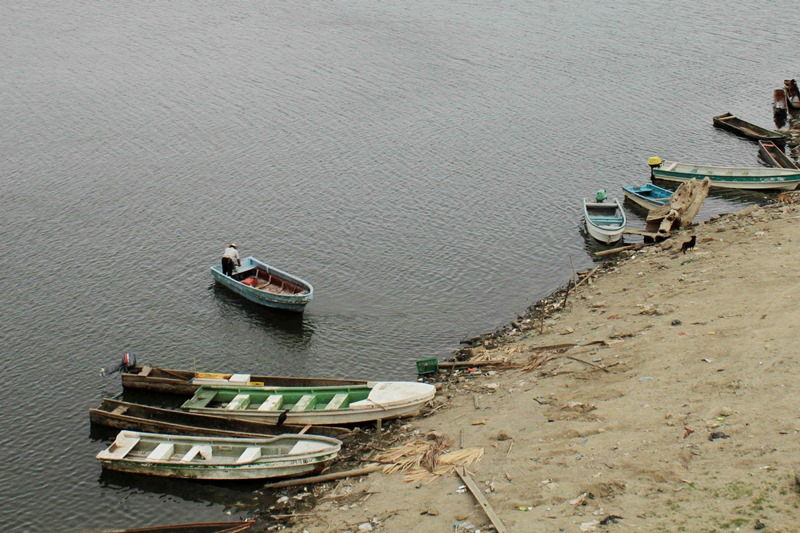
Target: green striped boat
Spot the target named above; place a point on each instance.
(313, 405)
(729, 177)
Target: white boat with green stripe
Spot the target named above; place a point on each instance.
(219, 458)
(336, 405)
(757, 179)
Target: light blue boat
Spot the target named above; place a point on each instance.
(648, 196)
(266, 285)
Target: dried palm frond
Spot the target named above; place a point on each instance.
(535, 361)
(447, 465)
(424, 461)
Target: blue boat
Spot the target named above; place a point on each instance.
(266, 285)
(648, 196)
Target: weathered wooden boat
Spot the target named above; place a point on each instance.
(779, 104)
(266, 285)
(218, 458)
(729, 177)
(734, 124)
(792, 94)
(199, 527)
(774, 156)
(314, 405)
(604, 221)
(136, 417)
(648, 196)
(186, 382)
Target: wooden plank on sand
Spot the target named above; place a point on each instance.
(476, 492)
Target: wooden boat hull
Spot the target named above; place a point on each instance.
(199, 527)
(276, 289)
(647, 196)
(186, 382)
(730, 177)
(734, 124)
(774, 156)
(218, 458)
(604, 221)
(148, 419)
(779, 104)
(314, 406)
(792, 94)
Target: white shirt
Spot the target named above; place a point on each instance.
(231, 253)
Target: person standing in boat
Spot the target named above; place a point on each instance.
(230, 258)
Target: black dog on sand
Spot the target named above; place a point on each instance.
(689, 245)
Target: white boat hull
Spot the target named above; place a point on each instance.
(218, 458)
(751, 179)
(605, 229)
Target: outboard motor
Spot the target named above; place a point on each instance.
(653, 162)
(601, 196)
(127, 363)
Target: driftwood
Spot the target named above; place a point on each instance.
(325, 477)
(476, 492)
(683, 206)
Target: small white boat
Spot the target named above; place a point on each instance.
(313, 405)
(604, 221)
(219, 458)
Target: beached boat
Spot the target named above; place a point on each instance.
(734, 124)
(729, 177)
(313, 405)
(648, 196)
(792, 94)
(266, 285)
(199, 527)
(604, 221)
(186, 382)
(218, 458)
(136, 417)
(774, 156)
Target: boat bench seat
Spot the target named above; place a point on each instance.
(204, 450)
(240, 401)
(162, 452)
(607, 220)
(339, 401)
(250, 454)
(273, 403)
(306, 403)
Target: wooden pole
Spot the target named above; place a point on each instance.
(484, 503)
(325, 477)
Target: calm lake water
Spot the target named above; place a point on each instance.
(422, 164)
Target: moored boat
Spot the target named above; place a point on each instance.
(774, 156)
(198, 527)
(729, 177)
(648, 196)
(740, 127)
(186, 382)
(604, 221)
(314, 405)
(218, 458)
(779, 104)
(136, 417)
(792, 93)
(266, 285)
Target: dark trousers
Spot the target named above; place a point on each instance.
(227, 266)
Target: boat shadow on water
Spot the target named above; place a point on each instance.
(235, 497)
(276, 320)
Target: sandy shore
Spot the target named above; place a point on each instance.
(670, 405)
